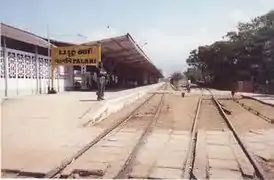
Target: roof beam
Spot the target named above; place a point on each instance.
(135, 56)
(119, 44)
(116, 58)
(127, 62)
(136, 61)
(126, 55)
(112, 52)
(139, 60)
(140, 65)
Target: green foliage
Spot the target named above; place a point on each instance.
(175, 79)
(247, 52)
(177, 76)
(194, 74)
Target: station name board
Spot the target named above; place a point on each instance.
(76, 55)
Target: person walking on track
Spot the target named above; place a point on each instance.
(188, 85)
(233, 89)
(101, 81)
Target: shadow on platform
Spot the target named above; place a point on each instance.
(94, 90)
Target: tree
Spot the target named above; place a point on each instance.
(247, 52)
(176, 76)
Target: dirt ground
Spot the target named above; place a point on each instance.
(177, 113)
(244, 120)
(264, 109)
(209, 117)
(164, 150)
(268, 166)
(144, 115)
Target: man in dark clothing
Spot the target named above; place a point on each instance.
(234, 89)
(101, 81)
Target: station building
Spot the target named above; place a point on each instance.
(25, 65)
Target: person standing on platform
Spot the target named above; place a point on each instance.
(101, 81)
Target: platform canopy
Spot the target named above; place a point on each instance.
(21, 35)
(124, 49)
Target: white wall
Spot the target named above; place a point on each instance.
(28, 74)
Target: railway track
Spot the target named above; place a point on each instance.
(193, 157)
(78, 165)
(163, 154)
(264, 111)
(210, 148)
(203, 165)
(121, 135)
(259, 172)
(207, 125)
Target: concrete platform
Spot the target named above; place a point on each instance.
(38, 132)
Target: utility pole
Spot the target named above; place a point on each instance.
(48, 38)
(51, 79)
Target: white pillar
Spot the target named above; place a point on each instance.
(68, 71)
(38, 85)
(83, 76)
(6, 67)
(58, 78)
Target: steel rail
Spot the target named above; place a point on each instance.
(52, 173)
(258, 169)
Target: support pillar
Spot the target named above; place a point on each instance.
(83, 77)
(145, 78)
(68, 72)
(6, 67)
(38, 81)
(58, 77)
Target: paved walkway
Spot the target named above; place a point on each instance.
(36, 127)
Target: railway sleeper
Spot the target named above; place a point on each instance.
(78, 173)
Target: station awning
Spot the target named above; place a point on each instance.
(23, 36)
(124, 49)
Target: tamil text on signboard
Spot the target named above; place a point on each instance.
(76, 55)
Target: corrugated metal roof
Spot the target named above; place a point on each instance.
(125, 49)
(21, 35)
(121, 48)
(59, 43)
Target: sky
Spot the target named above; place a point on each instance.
(169, 28)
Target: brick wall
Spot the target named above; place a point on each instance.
(245, 86)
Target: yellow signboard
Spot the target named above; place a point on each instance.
(76, 55)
